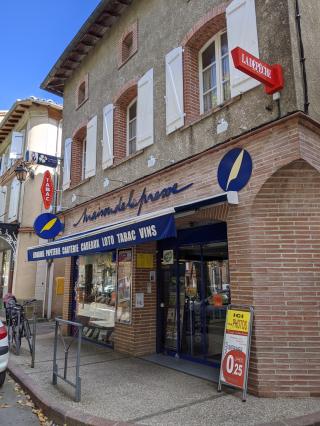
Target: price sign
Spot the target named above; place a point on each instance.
(236, 348)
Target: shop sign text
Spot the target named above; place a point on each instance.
(132, 203)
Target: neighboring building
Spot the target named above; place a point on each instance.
(149, 113)
(30, 125)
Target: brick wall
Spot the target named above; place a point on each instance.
(285, 259)
(139, 338)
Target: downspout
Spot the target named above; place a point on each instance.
(302, 60)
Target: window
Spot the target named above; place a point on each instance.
(214, 73)
(82, 91)
(84, 153)
(128, 44)
(132, 127)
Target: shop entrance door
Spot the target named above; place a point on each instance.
(194, 294)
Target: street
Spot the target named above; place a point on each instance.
(16, 408)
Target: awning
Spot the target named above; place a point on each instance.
(138, 230)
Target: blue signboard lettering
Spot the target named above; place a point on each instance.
(125, 236)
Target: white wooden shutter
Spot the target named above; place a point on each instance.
(91, 148)
(107, 139)
(174, 90)
(67, 164)
(16, 149)
(14, 200)
(3, 197)
(3, 165)
(145, 111)
(242, 32)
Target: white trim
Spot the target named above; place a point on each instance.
(217, 40)
(135, 100)
(84, 154)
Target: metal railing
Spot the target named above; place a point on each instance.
(55, 372)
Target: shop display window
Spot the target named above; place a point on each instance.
(124, 294)
(96, 295)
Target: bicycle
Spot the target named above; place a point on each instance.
(17, 324)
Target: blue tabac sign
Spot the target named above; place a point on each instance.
(42, 159)
(47, 226)
(106, 239)
(235, 170)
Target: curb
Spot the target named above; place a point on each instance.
(60, 414)
(312, 419)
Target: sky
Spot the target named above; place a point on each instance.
(33, 34)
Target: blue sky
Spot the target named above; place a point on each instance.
(33, 34)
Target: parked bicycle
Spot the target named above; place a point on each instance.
(17, 323)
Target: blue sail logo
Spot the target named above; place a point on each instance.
(47, 225)
(235, 170)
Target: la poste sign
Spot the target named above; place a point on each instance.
(271, 76)
(47, 189)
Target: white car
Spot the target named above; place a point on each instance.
(4, 352)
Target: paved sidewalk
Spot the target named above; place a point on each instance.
(127, 389)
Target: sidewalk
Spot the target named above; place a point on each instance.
(121, 388)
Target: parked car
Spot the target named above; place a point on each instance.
(4, 352)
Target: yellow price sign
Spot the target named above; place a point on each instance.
(238, 321)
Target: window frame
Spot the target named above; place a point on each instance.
(135, 100)
(84, 154)
(217, 40)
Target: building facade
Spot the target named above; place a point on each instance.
(187, 187)
(32, 125)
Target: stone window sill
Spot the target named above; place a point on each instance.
(128, 158)
(72, 187)
(211, 112)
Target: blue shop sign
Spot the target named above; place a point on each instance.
(106, 239)
(235, 170)
(47, 226)
(42, 159)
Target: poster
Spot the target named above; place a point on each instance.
(124, 286)
(236, 348)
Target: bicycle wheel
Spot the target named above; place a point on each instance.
(27, 333)
(16, 338)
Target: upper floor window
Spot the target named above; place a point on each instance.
(132, 127)
(214, 73)
(82, 91)
(128, 44)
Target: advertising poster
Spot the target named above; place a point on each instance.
(124, 286)
(236, 348)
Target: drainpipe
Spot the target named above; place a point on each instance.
(302, 60)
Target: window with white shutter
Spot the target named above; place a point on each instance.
(16, 148)
(107, 139)
(91, 148)
(3, 198)
(14, 200)
(174, 90)
(145, 111)
(67, 164)
(3, 165)
(242, 32)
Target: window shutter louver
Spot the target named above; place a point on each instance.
(242, 32)
(3, 165)
(3, 197)
(107, 140)
(174, 90)
(67, 164)
(16, 149)
(14, 200)
(91, 148)
(145, 111)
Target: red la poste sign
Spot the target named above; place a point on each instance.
(271, 76)
(47, 189)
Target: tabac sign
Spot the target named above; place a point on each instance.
(47, 189)
(271, 76)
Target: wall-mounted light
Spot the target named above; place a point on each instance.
(152, 161)
(22, 170)
(106, 181)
